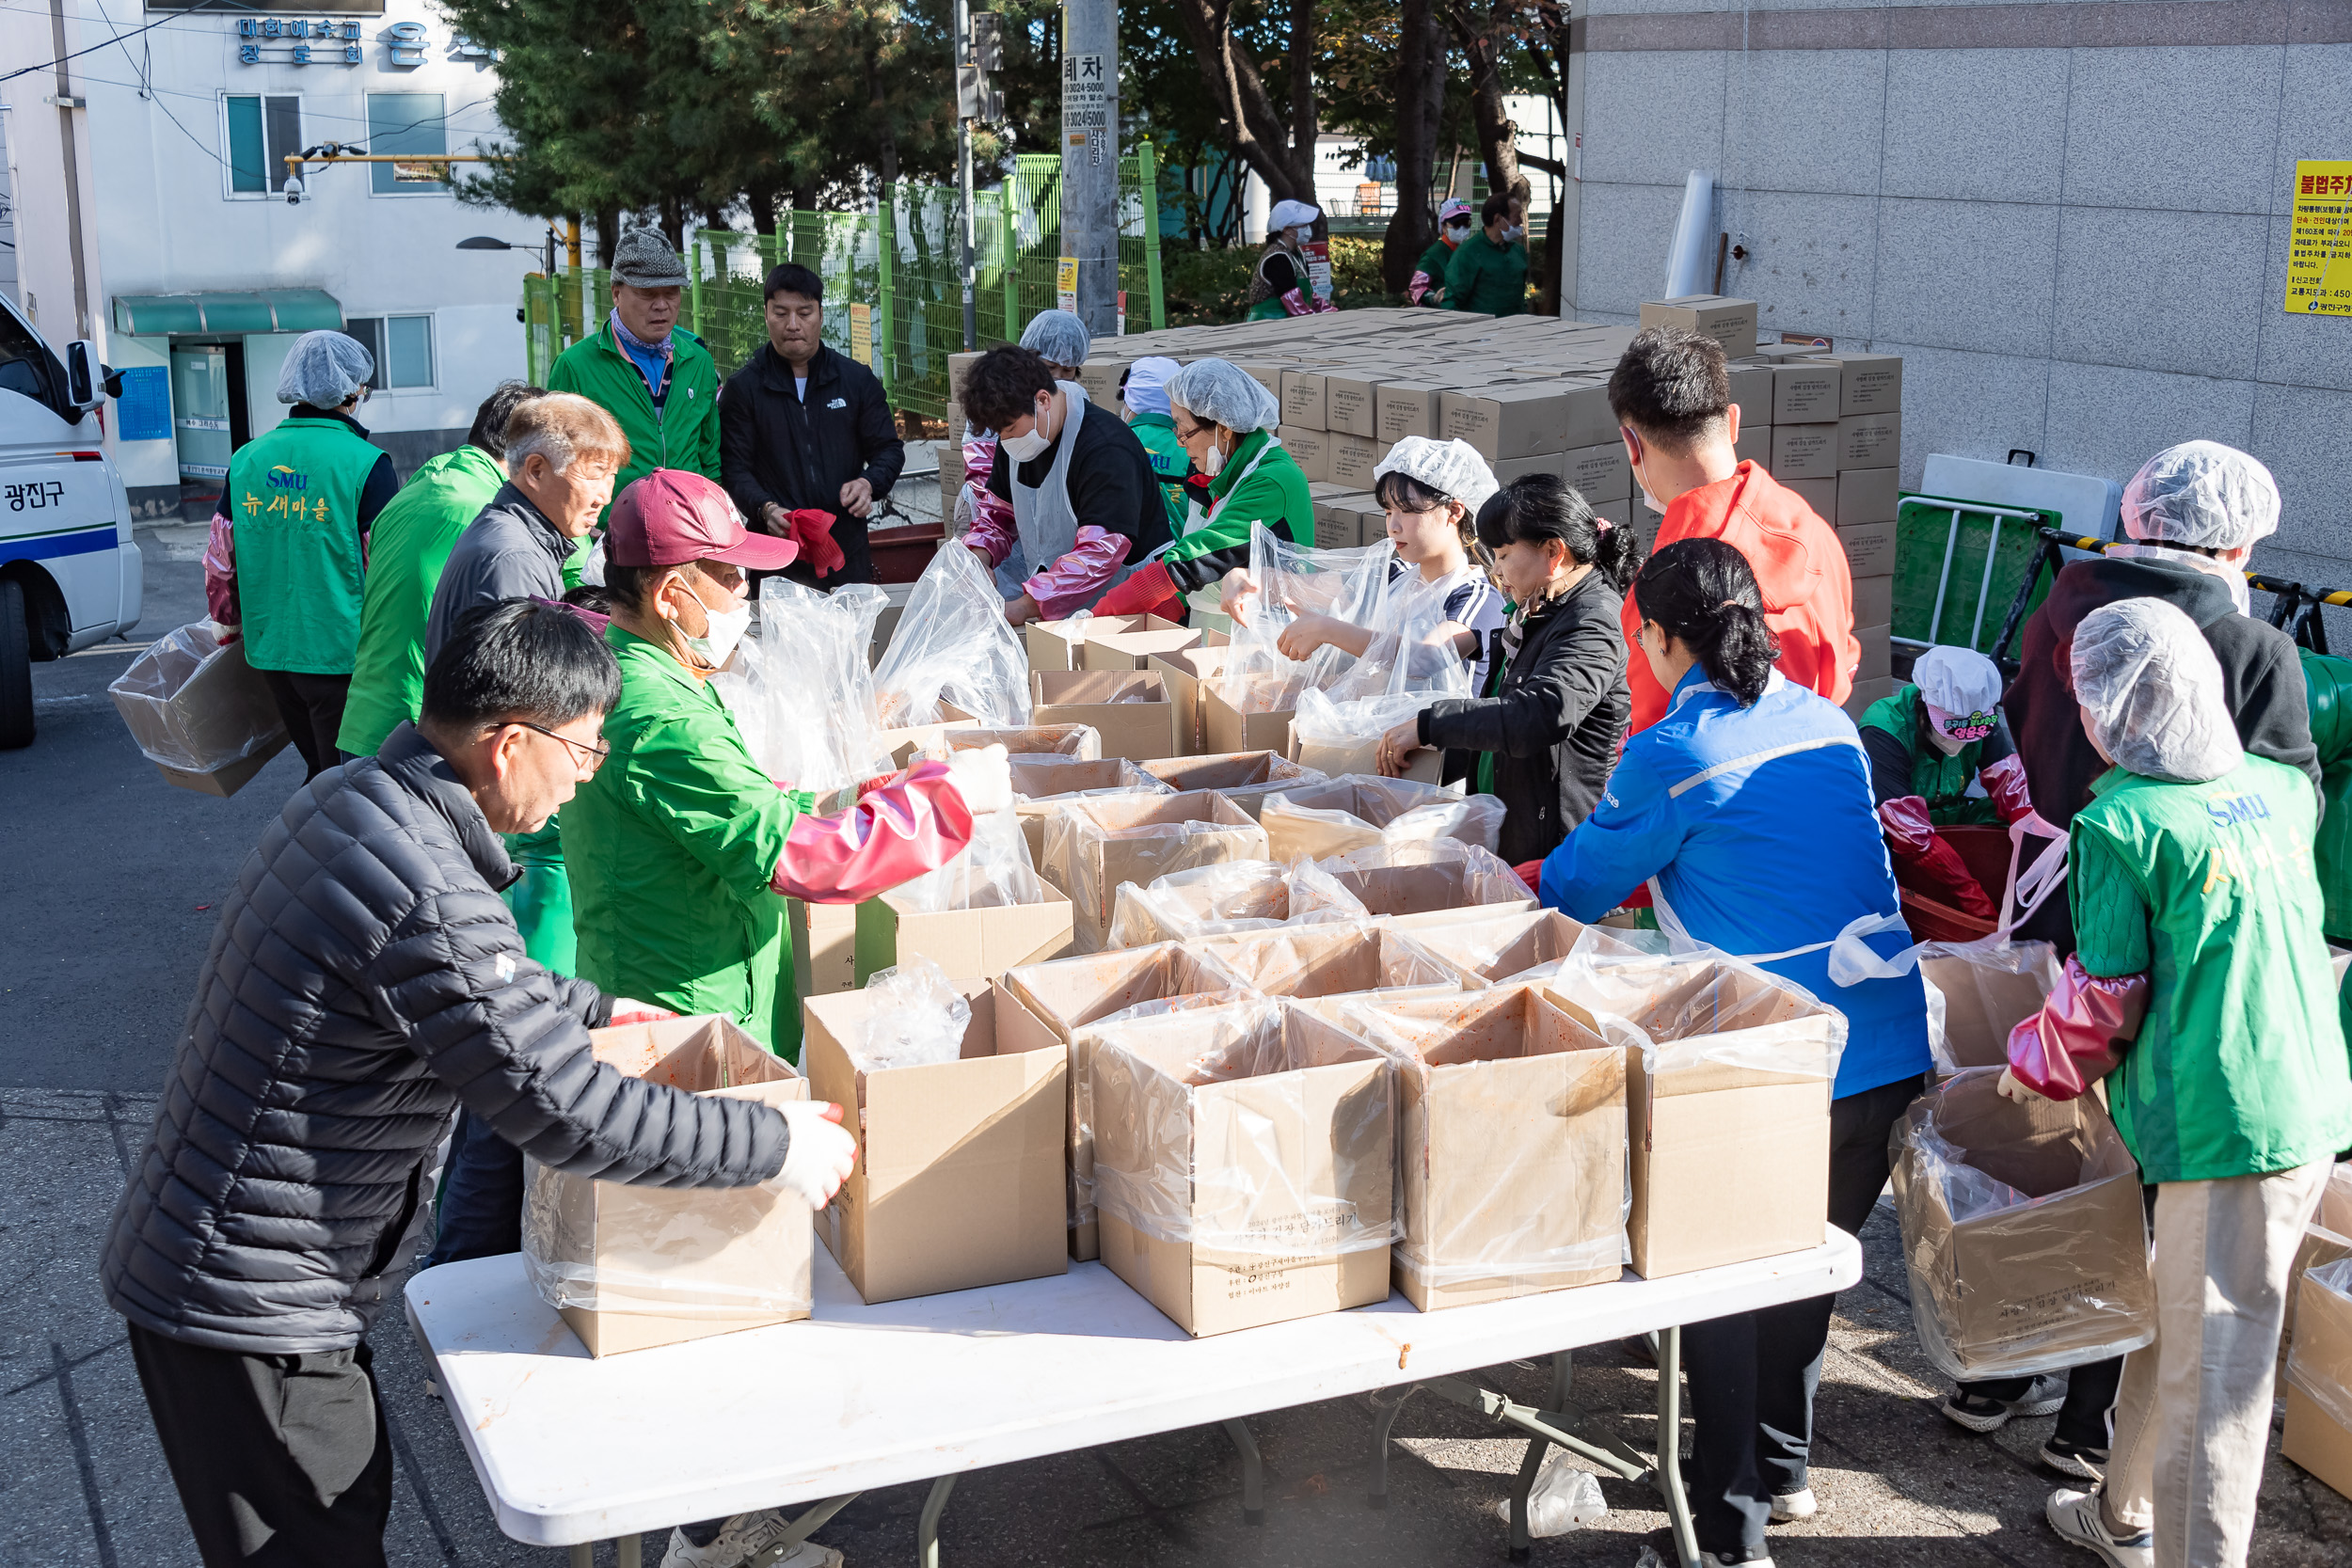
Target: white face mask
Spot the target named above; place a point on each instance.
(1457, 232)
(1029, 448)
(1948, 745)
(1511, 232)
(728, 627)
(1213, 464)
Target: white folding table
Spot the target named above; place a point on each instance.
(572, 1450)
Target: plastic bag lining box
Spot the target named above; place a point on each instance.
(1040, 784)
(1307, 961)
(630, 1267)
(1318, 821)
(2319, 1381)
(1988, 993)
(1511, 1142)
(1699, 1101)
(1190, 673)
(1245, 778)
(1416, 885)
(2319, 1247)
(959, 1179)
(1091, 846)
(1129, 709)
(1230, 1204)
(1225, 728)
(1060, 644)
(198, 712)
(977, 945)
(2024, 1287)
(1426, 766)
(1049, 1003)
(1501, 948)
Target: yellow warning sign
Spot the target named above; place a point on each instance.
(1066, 284)
(2319, 242)
(862, 334)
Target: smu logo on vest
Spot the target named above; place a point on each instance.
(282, 478)
(2238, 809)
(285, 486)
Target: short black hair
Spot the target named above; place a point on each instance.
(489, 421)
(1004, 385)
(519, 660)
(793, 279)
(1538, 507)
(1496, 206)
(593, 597)
(1705, 593)
(1670, 386)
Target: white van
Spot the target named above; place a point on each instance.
(69, 573)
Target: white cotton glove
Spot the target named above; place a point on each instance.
(817, 1159)
(2009, 1088)
(984, 778)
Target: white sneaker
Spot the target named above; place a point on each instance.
(1789, 1507)
(750, 1541)
(2075, 1517)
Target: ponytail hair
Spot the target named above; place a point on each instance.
(1704, 593)
(1542, 507)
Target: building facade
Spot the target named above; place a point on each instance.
(200, 272)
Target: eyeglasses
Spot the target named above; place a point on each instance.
(595, 755)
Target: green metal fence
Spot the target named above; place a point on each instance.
(901, 262)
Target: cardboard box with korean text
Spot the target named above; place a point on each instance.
(1868, 383)
(1805, 391)
(1818, 495)
(1129, 709)
(1051, 1002)
(1599, 473)
(1353, 458)
(1302, 399)
(630, 1267)
(967, 943)
(1091, 846)
(1867, 496)
(1244, 1163)
(1729, 322)
(1806, 451)
(1243, 778)
(2023, 1231)
(1348, 403)
(1060, 644)
(1310, 449)
(1868, 441)
(1402, 408)
(1508, 469)
(1511, 1145)
(198, 712)
(960, 1180)
(1734, 1083)
(1338, 521)
(1869, 547)
(1507, 420)
(2319, 1377)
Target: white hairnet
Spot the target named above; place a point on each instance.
(2201, 493)
(1450, 467)
(1290, 215)
(2151, 688)
(1060, 337)
(324, 368)
(1960, 681)
(1147, 384)
(1222, 392)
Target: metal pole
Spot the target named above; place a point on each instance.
(964, 232)
(1089, 157)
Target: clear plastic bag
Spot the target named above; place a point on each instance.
(2023, 1231)
(953, 644)
(1355, 811)
(1093, 845)
(1331, 958)
(991, 872)
(918, 1020)
(1221, 900)
(1700, 1010)
(1562, 1499)
(1349, 584)
(1406, 654)
(1517, 948)
(1977, 991)
(800, 691)
(1245, 778)
(2319, 1359)
(192, 703)
(1411, 876)
(1076, 742)
(1212, 1129)
(1054, 777)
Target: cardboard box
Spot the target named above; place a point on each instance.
(1353, 458)
(1402, 408)
(1331, 959)
(1060, 644)
(1511, 1142)
(1350, 403)
(1339, 523)
(1189, 672)
(967, 943)
(1873, 601)
(1819, 493)
(960, 373)
(1752, 393)
(1093, 845)
(2001, 1287)
(1869, 548)
(1745, 1067)
(1499, 947)
(1869, 383)
(1266, 372)
(198, 712)
(1729, 322)
(1316, 821)
(1982, 1002)
(668, 1264)
(1129, 709)
(1867, 496)
(1599, 473)
(1508, 422)
(1049, 1004)
(1310, 449)
(1805, 451)
(1232, 1195)
(2317, 1438)
(1806, 391)
(2335, 1200)
(1878, 653)
(2319, 1247)
(824, 945)
(1302, 400)
(1871, 441)
(1226, 730)
(1134, 650)
(1102, 376)
(1866, 692)
(1243, 778)
(958, 1182)
(1335, 760)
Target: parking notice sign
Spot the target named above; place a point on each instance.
(2319, 242)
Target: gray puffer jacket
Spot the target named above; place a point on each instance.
(365, 979)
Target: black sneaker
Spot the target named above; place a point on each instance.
(2076, 1459)
(2047, 1397)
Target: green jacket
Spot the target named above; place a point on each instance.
(1169, 461)
(670, 848)
(406, 550)
(682, 433)
(1942, 780)
(2240, 1066)
(1273, 492)
(1487, 277)
(1433, 264)
(293, 500)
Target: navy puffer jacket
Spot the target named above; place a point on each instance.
(365, 979)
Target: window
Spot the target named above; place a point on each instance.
(408, 123)
(262, 131)
(403, 347)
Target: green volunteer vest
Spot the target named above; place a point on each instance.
(2240, 1067)
(669, 850)
(1250, 488)
(293, 495)
(406, 550)
(1171, 462)
(1942, 780)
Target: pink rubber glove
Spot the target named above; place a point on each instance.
(2004, 781)
(894, 833)
(221, 575)
(2080, 1034)
(1148, 590)
(1064, 586)
(1927, 863)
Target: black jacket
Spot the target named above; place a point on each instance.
(363, 981)
(2262, 676)
(774, 448)
(509, 551)
(1555, 720)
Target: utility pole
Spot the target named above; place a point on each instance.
(979, 50)
(1089, 158)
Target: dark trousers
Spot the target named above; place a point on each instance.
(481, 1207)
(313, 707)
(280, 1461)
(2091, 1392)
(1753, 1376)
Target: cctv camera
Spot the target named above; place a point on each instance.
(294, 193)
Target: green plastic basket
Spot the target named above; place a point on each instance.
(1958, 566)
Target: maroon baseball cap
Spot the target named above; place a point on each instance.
(672, 516)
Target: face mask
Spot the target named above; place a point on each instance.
(1648, 499)
(1971, 728)
(1456, 232)
(728, 627)
(1511, 232)
(1027, 448)
(1212, 463)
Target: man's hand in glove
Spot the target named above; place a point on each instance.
(2009, 1088)
(812, 530)
(819, 1153)
(1926, 862)
(1147, 589)
(984, 778)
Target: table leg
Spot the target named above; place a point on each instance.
(1521, 1541)
(584, 1555)
(927, 1527)
(1670, 1446)
(1384, 1414)
(803, 1528)
(1252, 1473)
(630, 1551)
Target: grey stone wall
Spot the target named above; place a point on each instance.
(2069, 216)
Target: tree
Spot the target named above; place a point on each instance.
(1281, 150)
(1419, 94)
